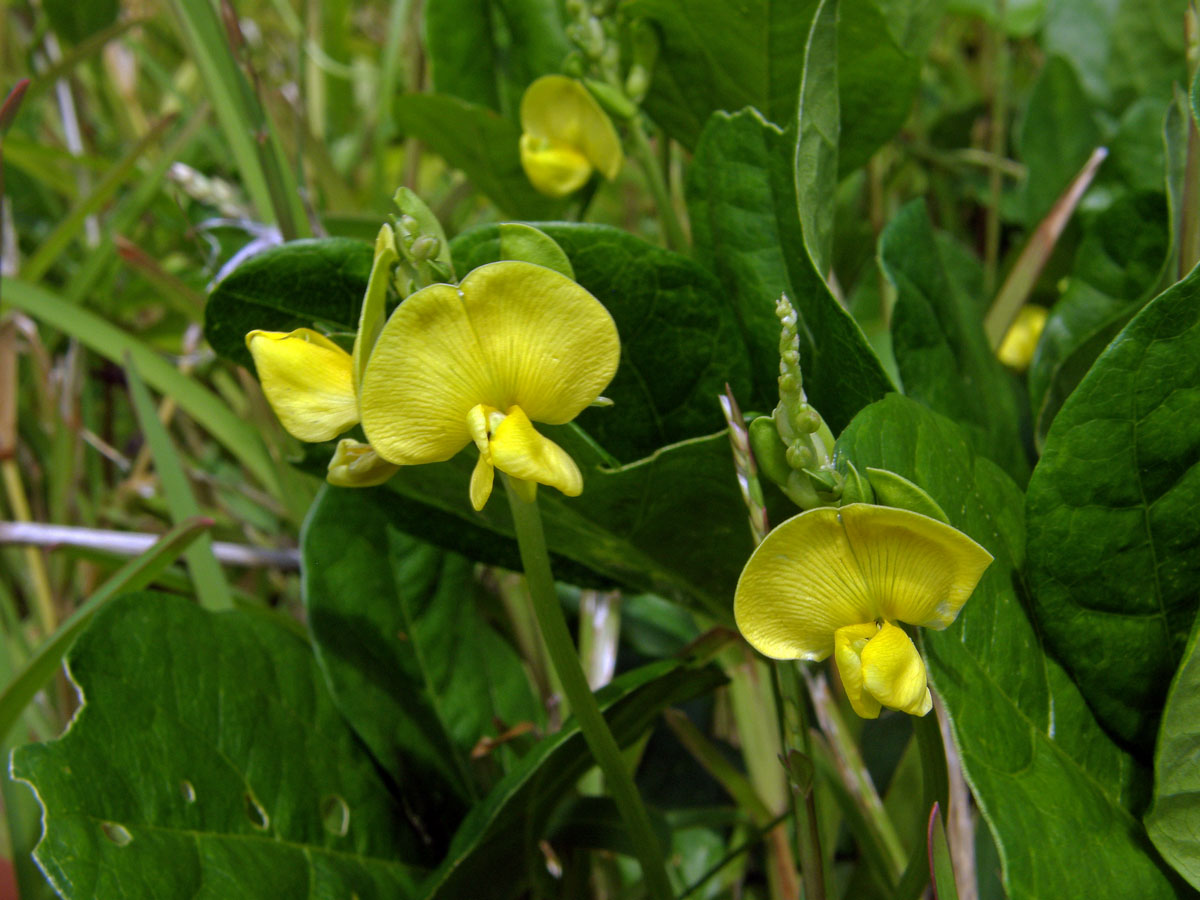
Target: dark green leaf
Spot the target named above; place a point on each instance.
(724, 56)
(1053, 787)
(819, 122)
(1174, 820)
(482, 144)
(488, 51)
(318, 283)
(73, 20)
(1058, 132)
(636, 525)
(1114, 542)
(409, 656)
(679, 339)
(493, 835)
(742, 201)
(941, 350)
(208, 754)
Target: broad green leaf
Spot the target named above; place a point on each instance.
(819, 122)
(409, 655)
(493, 836)
(724, 56)
(210, 762)
(1174, 820)
(635, 525)
(482, 144)
(1114, 543)
(1053, 787)
(941, 350)
(1122, 49)
(317, 283)
(741, 200)
(881, 46)
(488, 51)
(1057, 134)
(680, 342)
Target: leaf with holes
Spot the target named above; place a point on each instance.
(1114, 540)
(1059, 795)
(211, 762)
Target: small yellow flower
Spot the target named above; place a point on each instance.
(1016, 350)
(565, 135)
(313, 384)
(834, 581)
(514, 343)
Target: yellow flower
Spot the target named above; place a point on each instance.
(565, 135)
(834, 581)
(514, 342)
(1016, 350)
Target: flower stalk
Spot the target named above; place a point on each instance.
(536, 561)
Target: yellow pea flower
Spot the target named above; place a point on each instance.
(308, 380)
(834, 581)
(565, 135)
(514, 343)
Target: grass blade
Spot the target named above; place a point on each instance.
(207, 577)
(133, 576)
(209, 411)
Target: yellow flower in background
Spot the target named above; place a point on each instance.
(514, 343)
(835, 581)
(1021, 339)
(308, 380)
(565, 135)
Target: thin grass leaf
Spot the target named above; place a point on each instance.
(47, 254)
(1025, 271)
(211, 587)
(210, 412)
(251, 137)
(941, 871)
(133, 576)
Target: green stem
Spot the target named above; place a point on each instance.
(796, 735)
(536, 561)
(935, 788)
(997, 43)
(644, 153)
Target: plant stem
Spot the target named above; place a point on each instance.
(935, 789)
(644, 153)
(536, 561)
(796, 736)
(997, 43)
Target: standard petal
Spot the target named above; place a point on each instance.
(550, 346)
(848, 644)
(894, 673)
(554, 168)
(919, 570)
(561, 110)
(424, 375)
(356, 464)
(799, 587)
(308, 380)
(520, 451)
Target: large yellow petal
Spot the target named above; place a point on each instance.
(918, 570)
(554, 168)
(308, 380)
(848, 644)
(561, 110)
(894, 673)
(549, 345)
(425, 374)
(799, 587)
(520, 451)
